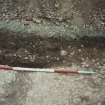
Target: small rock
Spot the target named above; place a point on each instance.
(98, 64)
(57, 5)
(82, 45)
(85, 64)
(69, 46)
(57, 58)
(0, 51)
(93, 60)
(32, 58)
(4, 14)
(72, 53)
(26, 58)
(79, 50)
(36, 20)
(14, 55)
(47, 56)
(82, 59)
(32, 10)
(63, 53)
(60, 18)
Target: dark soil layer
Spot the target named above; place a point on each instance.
(35, 51)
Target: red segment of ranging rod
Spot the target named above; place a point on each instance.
(5, 67)
(66, 71)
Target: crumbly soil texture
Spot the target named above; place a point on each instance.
(19, 49)
(35, 51)
(31, 50)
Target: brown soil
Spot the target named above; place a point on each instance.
(35, 51)
(30, 50)
(76, 12)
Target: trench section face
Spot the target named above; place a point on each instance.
(30, 50)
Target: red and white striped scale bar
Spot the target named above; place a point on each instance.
(66, 70)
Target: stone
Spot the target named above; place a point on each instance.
(63, 53)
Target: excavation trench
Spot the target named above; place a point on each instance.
(52, 33)
(31, 50)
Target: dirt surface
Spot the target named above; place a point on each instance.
(44, 89)
(31, 50)
(72, 11)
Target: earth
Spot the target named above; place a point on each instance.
(32, 50)
(20, 88)
(71, 12)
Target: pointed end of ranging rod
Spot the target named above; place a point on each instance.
(86, 72)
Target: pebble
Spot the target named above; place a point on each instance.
(93, 60)
(85, 64)
(14, 55)
(47, 56)
(82, 59)
(63, 53)
(32, 58)
(57, 5)
(58, 58)
(79, 50)
(82, 45)
(98, 64)
(37, 20)
(69, 47)
(26, 58)
(60, 18)
(72, 53)
(0, 51)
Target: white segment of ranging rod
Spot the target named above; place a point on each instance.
(34, 69)
(86, 72)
